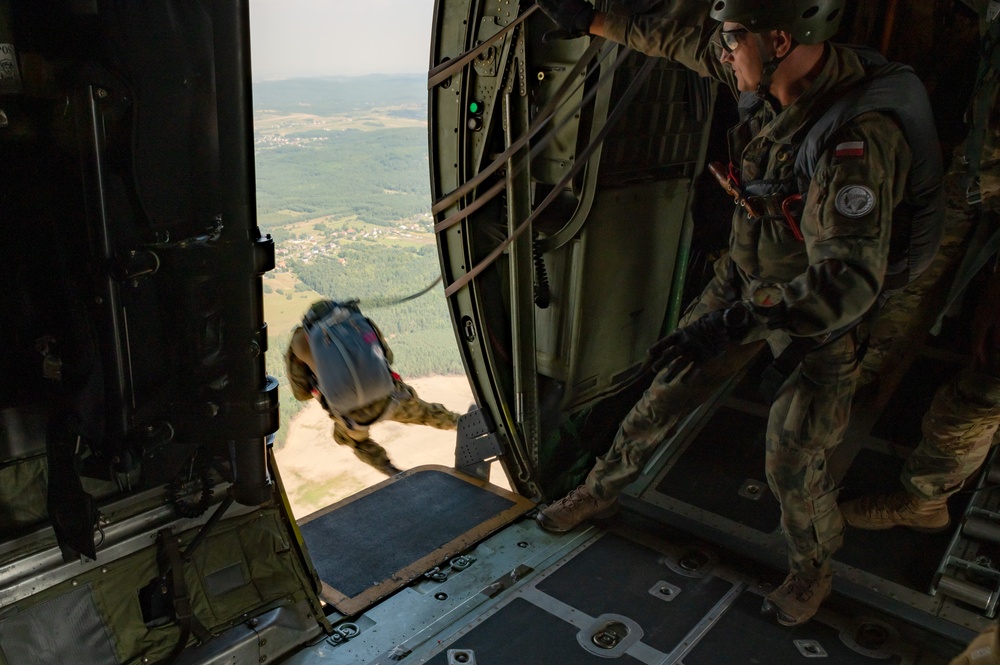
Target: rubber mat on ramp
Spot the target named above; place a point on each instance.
(377, 541)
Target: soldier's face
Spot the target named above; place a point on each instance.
(739, 51)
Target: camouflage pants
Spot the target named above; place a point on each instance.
(403, 407)
(957, 432)
(807, 419)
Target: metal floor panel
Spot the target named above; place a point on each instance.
(744, 637)
(618, 576)
(722, 471)
(665, 600)
(525, 634)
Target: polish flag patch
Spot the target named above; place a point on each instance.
(850, 149)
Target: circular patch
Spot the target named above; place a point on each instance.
(855, 201)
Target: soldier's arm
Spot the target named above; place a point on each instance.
(847, 225)
(684, 34)
(300, 379)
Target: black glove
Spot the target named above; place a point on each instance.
(703, 340)
(572, 16)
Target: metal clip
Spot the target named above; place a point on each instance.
(436, 574)
(716, 169)
(462, 562)
(342, 633)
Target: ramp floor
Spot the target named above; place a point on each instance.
(670, 616)
(371, 544)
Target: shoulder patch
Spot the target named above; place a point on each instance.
(850, 149)
(854, 201)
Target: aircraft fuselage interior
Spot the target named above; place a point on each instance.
(143, 518)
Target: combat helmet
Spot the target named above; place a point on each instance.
(808, 21)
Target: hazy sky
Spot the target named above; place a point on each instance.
(336, 37)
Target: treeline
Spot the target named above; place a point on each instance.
(339, 94)
(375, 274)
(380, 176)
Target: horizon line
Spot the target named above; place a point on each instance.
(333, 76)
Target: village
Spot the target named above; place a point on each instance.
(325, 240)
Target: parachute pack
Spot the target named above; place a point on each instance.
(352, 369)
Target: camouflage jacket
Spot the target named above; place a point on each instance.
(834, 276)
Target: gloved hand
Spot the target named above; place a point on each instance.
(703, 340)
(572, 16)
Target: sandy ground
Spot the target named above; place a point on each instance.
(317, 472)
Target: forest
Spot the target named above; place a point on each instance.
(381, 176)
(342, 187)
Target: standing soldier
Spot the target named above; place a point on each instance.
(958, 428)
(341, 358)
(803, 281)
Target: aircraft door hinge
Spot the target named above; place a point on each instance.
(476, 445)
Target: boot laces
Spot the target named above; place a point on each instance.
(577, 495)
(886, 506)
(799, 587)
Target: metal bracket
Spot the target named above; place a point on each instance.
(435, 574)
(752, 489)
(461, 657)
(665, 591)
(610, 636)
(810, 648)
(476, 445)
(342, 633)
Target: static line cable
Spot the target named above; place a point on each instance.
(542, 119)
(612, 120)
(376, 304)
(448, 67)
(485, 198)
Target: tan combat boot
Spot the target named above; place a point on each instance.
(797, 599)
(576, 507)
(880, 512)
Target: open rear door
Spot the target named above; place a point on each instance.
(562, 175)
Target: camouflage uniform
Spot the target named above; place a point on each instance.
(965, 413)
(352, 429)
(983, 650)
(910, 312)
(822, 284)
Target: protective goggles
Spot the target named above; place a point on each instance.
(731, 38)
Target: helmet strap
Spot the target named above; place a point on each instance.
(768, 68)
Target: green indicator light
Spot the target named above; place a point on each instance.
(475, 107)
